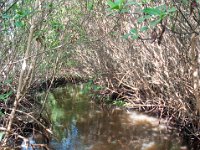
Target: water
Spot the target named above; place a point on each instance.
(79, 124)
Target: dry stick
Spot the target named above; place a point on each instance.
(27, 78)
(187, 21)
(30, 73)
(12, 57)
(32, 117)
(58, 47)
(52, 80)
(20, 84)
(121, 80)
(10, 6)
(19, 92)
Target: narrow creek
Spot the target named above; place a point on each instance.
(80, 124)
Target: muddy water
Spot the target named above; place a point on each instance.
(79, 124)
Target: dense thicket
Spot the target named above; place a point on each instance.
(145, 51)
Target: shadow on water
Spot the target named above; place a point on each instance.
(79, 124)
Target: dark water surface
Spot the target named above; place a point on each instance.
(79, 124)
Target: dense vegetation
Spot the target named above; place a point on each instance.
(145, 52)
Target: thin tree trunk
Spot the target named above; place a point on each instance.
(20, 84)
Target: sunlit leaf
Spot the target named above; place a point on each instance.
(112, 5)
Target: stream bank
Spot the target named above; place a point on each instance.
(64, 97)
(79, 123)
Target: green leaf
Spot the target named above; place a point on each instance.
(8, 81)
(125, 36)
(50, 5)
(171, 10)
(162, 8)
(145, 1)
(6, 16)
(144, 28)
(20, 12)
(133, 31)
(133, 3)
(90, 6)
(143, 18)
(134, 34)
(112, 5)
(119, 2)
(119, 103)
(152, 11)
(155, 22)
(185, 2)
(134, 37)
(1, 114)
(5, 96)
(124, 11)
(1, 135)
(19, 24)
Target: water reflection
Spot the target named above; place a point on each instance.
(81, 125)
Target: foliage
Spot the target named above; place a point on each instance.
(90, 88)
(116, 5)
(54, 30)
(163, 55)
(119, 102)
(4, 97)
(5, 93)
(149, 15)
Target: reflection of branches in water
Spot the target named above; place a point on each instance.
(88, 126)
(72, 141)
